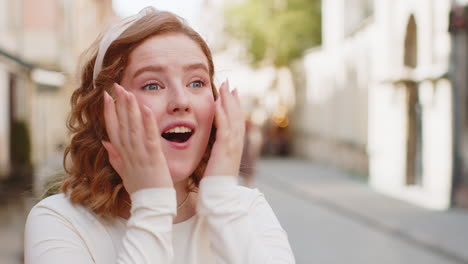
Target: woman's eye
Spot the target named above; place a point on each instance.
(196, 84)
(152, 87)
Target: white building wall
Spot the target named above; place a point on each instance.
(42, 47)
(332, 112)
(49, 117)
(388, 118)
(9, 25)
(387, 140)
(388, 155)
(369, 110)
(9, 22)
(438, 152)
(333, 14)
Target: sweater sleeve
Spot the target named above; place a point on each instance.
(240, 231)
(149, 230)
(52, 235)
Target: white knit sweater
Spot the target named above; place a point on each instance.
(233, 225)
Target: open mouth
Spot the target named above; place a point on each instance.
(178, 134)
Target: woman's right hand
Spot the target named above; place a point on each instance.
(134, 148)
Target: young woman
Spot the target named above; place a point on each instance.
(152, 165)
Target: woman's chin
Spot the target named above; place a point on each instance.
(181, 167)
(180, 173)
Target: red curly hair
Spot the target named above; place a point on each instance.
(91, 181)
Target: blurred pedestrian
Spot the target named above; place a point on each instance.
(152, 171)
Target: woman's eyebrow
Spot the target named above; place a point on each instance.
(196, 66)
(160, 68)
(150, 68)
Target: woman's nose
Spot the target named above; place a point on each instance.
(178, 101)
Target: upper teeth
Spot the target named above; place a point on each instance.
(179, 129)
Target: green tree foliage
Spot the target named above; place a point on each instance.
(275, 31)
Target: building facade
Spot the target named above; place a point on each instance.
(379, 92)
(15, 79)
(39, 51)
(331, 114)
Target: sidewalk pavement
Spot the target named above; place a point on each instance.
(444, 233)
(13, 213)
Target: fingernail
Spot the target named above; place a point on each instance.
(225, 85)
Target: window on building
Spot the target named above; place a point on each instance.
(411, 44)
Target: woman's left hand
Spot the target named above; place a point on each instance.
(230, 124)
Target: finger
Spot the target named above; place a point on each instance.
(110, 149)
(235, 94)
(114, 157)
(220, 117)
(121, 110)
(151, 128)
(234, 112)
(110, 118)
(231, 108)
(135, 128)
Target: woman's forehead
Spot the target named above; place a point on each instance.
(169, 50)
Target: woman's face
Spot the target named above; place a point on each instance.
(169, 74)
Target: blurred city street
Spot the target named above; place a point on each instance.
(376, 90)
(330, 217)
(14, 207)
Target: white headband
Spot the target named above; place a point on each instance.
(112, 34)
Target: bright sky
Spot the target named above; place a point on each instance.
(188, 9)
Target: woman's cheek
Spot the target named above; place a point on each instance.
(152, 104)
